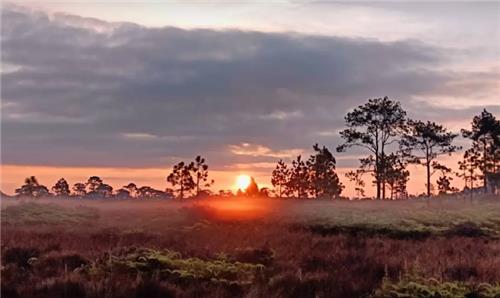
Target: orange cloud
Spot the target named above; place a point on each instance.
(256, 150)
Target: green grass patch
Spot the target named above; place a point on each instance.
(51, 214)
(170, 265)
(411, 286)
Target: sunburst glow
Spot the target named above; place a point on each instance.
(242, 181)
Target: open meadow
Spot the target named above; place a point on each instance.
(251, 248)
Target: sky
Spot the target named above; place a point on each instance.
(125, 90)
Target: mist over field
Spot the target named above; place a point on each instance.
(250, 247)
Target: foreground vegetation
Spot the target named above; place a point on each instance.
(251, 248)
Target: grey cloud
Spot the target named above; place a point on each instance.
(79, 86)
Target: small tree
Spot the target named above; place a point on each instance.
(181, 178)
(425, 142)
(147, 192)
(299, 178)
(444, 181)
(323, 179)
(93, 183)
(485, 136)
(104, 191)
(252, 188)
(468, 169)
(97, 189)
(132, 189)
(396, 176)
(123, 194)
(61, 188)
(280, 178)
(32, 188)
(79, 189)
(264, 192)
(200, 170)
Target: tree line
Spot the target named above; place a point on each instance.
(380, 128)
(187, 180)
(392, 140)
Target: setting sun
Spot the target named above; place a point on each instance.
(242, 181)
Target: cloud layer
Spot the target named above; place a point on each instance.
(84, 92)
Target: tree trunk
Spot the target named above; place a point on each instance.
(484, 166)
(197, 184)
(377, 175)
(428, 166)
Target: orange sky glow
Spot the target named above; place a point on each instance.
(12, 177)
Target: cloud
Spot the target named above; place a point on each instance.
(256, 150)
(138, 136)
(86, 92)
(281, 115)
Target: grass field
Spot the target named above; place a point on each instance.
(251, 248)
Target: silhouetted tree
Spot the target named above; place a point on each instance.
(132, 189)
(396, 176)
(375, 126)
(32, 188)
(280, 178)
(181, 178)
(79, 189)
(93, 183)
(225, 193)
(426, 141)
(169, 193)
(323, 180)
(123, 194)
(104, 191)
(359, 184)
(61, 188)
(468, 169)
(264, 192)
(252, 188)
(200, 170)
(97, 189)
(147, 192)
(299, 178)
(444, 181)
(485, 136)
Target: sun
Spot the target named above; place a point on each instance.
(242, 181)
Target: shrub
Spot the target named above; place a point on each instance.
(170, 265)
(412, 286)
(20, 256)
(467, 229)
(264, 256)
(54, 264)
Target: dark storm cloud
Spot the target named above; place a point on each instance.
(84, 92)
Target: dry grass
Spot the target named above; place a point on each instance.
(251, 248)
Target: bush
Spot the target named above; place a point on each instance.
(20, 256)
(264, 256)
(411, 286)
(170, 265)
(467, 229)
(54, 264)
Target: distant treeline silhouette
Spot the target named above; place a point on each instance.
(380, 127)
